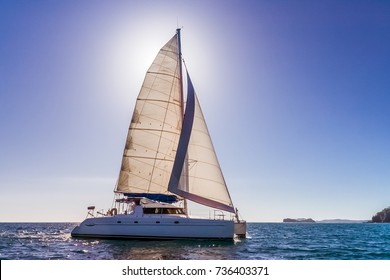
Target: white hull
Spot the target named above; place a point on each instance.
(154, 227)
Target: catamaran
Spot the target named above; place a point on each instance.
(168, 160)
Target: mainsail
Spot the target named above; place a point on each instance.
(155, 128)
(165, 152)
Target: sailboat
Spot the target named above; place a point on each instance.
(168, 160)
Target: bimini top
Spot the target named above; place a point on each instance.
(154, 196)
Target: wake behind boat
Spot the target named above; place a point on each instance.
(168, 159)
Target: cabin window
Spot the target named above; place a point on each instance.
(163, 211)
(176, 211)
(151, 210)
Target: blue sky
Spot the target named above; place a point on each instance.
(296, 95)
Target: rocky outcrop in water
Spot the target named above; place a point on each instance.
(382, 216)
(299, 220)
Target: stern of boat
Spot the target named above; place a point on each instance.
(240, 229)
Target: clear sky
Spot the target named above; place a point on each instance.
(296, 95)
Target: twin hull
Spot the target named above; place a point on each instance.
(171, 227)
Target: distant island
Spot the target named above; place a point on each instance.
(382, 216)
(329, 221)
(299, 220)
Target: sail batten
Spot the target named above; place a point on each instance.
(149, 158)
(160, 73)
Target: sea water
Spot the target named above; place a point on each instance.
(265, 241)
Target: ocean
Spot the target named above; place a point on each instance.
(266, 241)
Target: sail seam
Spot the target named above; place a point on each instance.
(168, 50)
(164, 74)
(152, 129)
(159, 100)
(207, 163)
(143, 178)
(146, 147)
(137, 157)
(207, 179)
(206, 148)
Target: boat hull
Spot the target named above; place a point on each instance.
(128, 227)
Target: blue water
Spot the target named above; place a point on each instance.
(267, 241)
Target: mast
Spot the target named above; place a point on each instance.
(180, 69)
(182, 103)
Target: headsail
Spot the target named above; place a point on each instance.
(155, 128)
(197, 161)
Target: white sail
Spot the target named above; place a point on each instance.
(155, 128)
(196, 161)
(205, 175)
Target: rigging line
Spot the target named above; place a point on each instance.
(184, 62)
